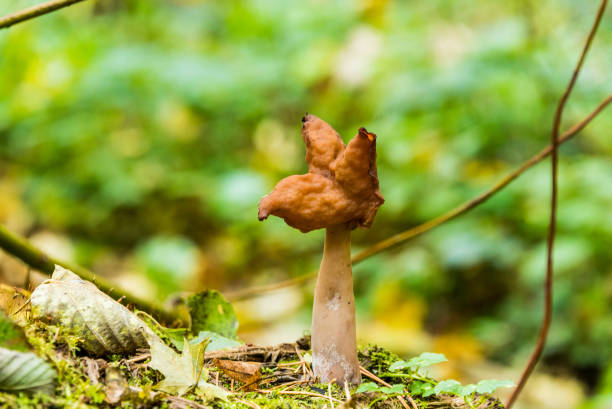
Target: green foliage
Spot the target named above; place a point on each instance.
(216, 341)
(168, 261)
(177, 337)
(423, 390)
(209, 311)
(11, 336)
(468, 392)
(421, 361)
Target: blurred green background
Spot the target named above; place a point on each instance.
(137, 137)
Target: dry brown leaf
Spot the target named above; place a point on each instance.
(247, 372)
(13, 302)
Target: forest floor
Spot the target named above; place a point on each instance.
(254, 377)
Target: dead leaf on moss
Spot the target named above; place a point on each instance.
(102, 324)
(247, 372)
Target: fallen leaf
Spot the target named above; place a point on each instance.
(13, 301)
(25, 372)
(102, 324)
(247, 372)
(183, 372)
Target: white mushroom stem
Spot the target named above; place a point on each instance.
(334, 344)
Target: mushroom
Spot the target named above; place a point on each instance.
(339, 192)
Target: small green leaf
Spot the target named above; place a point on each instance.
(490, 385)
(467, 390)
(419, 388)
(421, 361)
(211, 312)
(395, 389)
(11, 336)
(368, 387)
(428, 390)
(449, 386)
(217, 341)
(176, 336)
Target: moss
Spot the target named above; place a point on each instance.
(76, 390)
(11, 336)
(376, 359)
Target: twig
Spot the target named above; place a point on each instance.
(288, 385)
(250, 404)
(304, 363)
(186, 401)
(316, 395)
(483, 197)
(329, 386)
(34, 11)
(138, 358)
(347, 392)
(388, 385)
(249, 292)
(433, 223)
(548, 283)
(25, 251)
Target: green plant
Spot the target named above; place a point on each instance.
(469, 392)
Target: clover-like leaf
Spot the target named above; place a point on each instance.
(467, 390)
(421, 388)
(449, 386)
(490, 385)
(421, 361)
(395, 389)
(368, 387)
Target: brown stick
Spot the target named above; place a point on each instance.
(26, 252)
(34, 11)
(548, 282)
(431, 224)
(388, 385)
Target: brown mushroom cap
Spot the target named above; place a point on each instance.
(341, 185)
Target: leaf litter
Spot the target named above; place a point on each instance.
(205, 366)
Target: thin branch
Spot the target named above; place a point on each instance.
(548, 283)
(33, 257)
(35, 11)
(483, 197)
(431, 224)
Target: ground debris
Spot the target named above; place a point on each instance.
(260, 377)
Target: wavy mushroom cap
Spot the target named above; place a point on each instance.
(341, 185)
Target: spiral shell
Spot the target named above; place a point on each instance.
(25, 372)
(103, 325)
